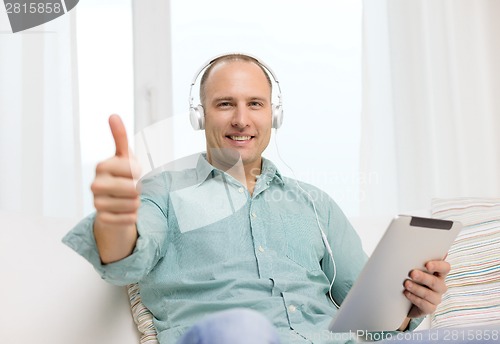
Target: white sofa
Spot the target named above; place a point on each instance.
(50, 295)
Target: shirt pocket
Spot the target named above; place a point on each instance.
(303, 240)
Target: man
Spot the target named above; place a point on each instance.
(232, 233)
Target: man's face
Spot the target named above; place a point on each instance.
(238, 116)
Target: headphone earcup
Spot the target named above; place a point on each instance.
(277, 116)
(197, 117)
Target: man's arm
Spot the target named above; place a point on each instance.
(116, 199)
(425, 289)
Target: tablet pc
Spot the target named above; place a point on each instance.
(376, 301)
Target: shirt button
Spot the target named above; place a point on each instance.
(241, 190)
(261, 249)
(254, 215)
(292, 308)
(268, 183)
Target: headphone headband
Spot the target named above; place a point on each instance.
(213, 59)
(197, 115)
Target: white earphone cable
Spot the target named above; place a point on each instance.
(323, 235)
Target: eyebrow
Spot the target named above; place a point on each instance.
(218, 99)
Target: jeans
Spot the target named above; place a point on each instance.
(236, 326)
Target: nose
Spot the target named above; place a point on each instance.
(240, 117)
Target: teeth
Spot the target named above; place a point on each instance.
(240, 138)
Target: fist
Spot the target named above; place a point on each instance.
(116, 198)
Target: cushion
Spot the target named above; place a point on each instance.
(473, 296)
(142, 316)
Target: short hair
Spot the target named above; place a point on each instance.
(229, 58)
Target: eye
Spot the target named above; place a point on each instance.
(224, 104)
(255, 104)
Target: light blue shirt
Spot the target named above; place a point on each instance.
(205, 245)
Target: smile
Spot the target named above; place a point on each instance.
(240, 138)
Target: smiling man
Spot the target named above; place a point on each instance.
(238, 116)
(231, 251)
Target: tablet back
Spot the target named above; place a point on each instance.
(376, 301)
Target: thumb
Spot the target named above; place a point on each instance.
(119, 135)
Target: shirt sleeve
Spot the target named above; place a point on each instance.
(347, 252)
(152, 228)
(414, 323)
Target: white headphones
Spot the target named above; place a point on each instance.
(196, 112)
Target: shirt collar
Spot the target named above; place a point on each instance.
(269, 170)
(203, 168)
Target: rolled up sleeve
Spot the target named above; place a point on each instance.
(152, 229)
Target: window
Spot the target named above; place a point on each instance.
(105, 73)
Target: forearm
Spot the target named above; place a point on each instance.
(114, 243)
(404, 325)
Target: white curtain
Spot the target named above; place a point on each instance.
(431, 110)
(39, 141)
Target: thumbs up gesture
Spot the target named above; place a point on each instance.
(116, 199)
